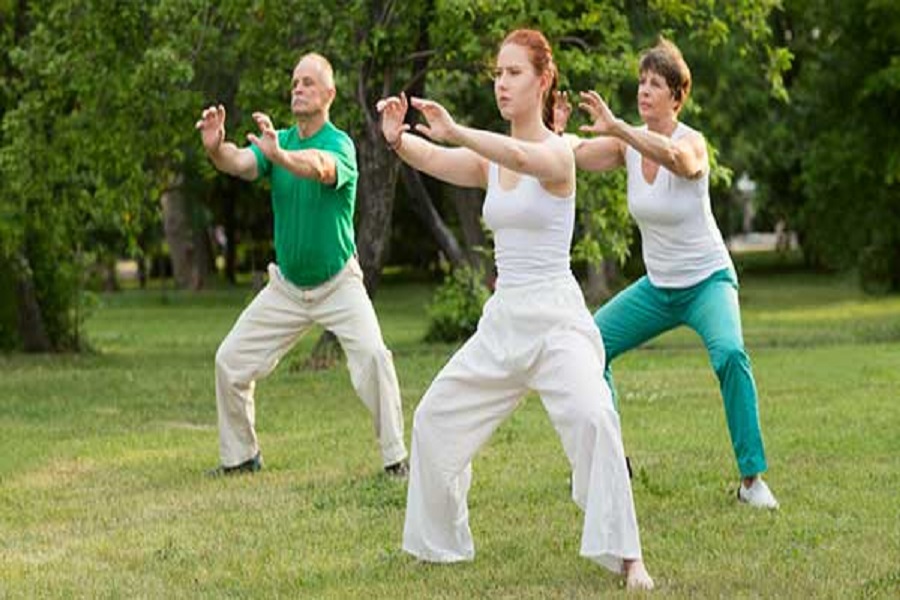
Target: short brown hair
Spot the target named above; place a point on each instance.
(665, 59)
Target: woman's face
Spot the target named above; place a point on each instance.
(655, 100)
(517, 87)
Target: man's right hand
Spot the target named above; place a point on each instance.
(225, 156)
(212, 128)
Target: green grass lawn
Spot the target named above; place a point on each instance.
(101, 461)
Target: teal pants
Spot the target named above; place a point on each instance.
(643, 311)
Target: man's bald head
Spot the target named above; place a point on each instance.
(312, 87)
(321, 65)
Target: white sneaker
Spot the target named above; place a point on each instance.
(758, 495)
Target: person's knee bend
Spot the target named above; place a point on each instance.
(378, 354)
(426, 416)
(370, 360)
(594, 416)
(228, 365)
(423, 415)
(223, 357)
(729, 355)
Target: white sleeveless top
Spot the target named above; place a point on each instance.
(532, 230)
(682, 244)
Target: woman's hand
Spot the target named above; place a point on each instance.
(440, 125)
(393, 115)
(604, 121)
(562, 110)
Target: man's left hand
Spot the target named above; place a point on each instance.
(267, 141)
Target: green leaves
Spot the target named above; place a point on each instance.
(99, 97)
(454, 311)
(838, 147)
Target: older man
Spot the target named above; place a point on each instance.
(317, 279)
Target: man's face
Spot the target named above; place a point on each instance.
(310, 95)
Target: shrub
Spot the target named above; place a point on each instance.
(878, 265)
(456, 306)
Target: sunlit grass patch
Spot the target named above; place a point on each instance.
(102, 492)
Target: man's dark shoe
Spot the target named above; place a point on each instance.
(251, 465)
(398, 470)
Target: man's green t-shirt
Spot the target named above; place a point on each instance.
(313, 221)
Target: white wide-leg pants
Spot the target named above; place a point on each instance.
(538, 338)
(279, 315)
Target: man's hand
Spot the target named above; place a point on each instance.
(212, 128)
(268, 139)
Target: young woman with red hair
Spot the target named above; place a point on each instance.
(535, 332)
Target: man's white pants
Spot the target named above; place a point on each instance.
(540, 338)
(270, 326)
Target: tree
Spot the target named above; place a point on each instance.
(597, 46)
(87, 153)
(832, 161)
(59, 129)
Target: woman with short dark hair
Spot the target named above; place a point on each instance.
(690, 278)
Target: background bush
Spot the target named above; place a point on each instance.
(456, 306)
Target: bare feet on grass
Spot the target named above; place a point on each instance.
(636, 576)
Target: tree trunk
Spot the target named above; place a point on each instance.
(108, 268)
(468, 203)
(142, 271)
(378, 169)
(189, 245)
(202, 257)
(32, 330)
(413, 181)
(179, 237)
(424, 208)
(325, 354)
(228, 208)
(600, 278)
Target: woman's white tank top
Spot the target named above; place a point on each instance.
(680, 241)
(532, 230)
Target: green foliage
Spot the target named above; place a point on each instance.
(879, 268)
(596, 47)
(90, 142)
(831, 162)
(98, 97)
(457, 303)
(605, 225)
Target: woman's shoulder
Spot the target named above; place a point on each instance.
(683, 129)
(557, 141)
(561, 146)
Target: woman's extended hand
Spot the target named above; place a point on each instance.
(562, 110)
(393, 115)
(603, 119)
(440, 125)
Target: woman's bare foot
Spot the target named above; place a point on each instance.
(636, 576)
